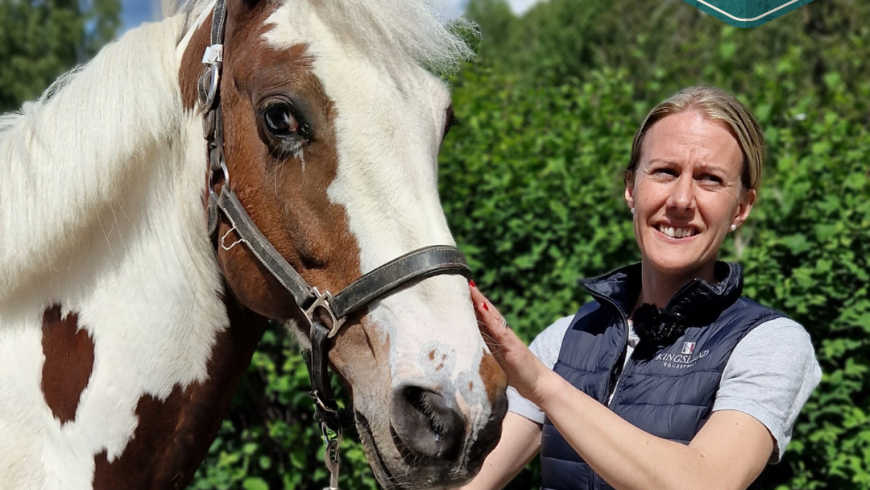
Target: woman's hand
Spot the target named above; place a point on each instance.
(525, 372)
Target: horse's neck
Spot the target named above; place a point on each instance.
(70, 161)
(112, 322)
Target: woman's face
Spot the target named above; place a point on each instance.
(686, 194)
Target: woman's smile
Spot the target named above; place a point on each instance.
(678, 234)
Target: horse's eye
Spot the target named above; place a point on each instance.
(279, 120)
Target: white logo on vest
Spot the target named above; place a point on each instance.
(682, 360)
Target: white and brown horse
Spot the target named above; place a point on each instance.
(123, 335)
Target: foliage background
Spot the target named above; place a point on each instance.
(531, 184)
(41, 39)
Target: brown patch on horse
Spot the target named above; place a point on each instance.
(173, 435)
(490, 371)
(191, 63)
(285, 198)
(137, 467)
(306, 228)
(69, 361)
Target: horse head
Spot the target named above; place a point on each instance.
(332, 122)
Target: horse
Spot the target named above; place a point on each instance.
(131, 296)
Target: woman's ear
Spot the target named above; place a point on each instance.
(629, 194)
(747, 200)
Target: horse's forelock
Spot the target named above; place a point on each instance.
(381, 28)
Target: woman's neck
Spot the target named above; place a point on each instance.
(657, 287)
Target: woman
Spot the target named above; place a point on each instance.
(669, 378)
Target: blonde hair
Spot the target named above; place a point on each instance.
(715, 105)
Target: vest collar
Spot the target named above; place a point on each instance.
(696, 303)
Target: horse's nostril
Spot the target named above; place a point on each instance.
(426, 424)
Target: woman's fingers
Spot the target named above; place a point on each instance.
(488, 314)
(516, 360)
(485, 320)
(489, 309)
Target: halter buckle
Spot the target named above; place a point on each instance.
(321, 300)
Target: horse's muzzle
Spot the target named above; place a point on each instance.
(430, 427)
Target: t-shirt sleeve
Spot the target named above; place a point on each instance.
(545, 347)
(770, 375)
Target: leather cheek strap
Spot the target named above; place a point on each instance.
(413, 266)
(317, 360)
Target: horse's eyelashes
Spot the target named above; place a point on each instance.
(449, 121)
(453, 122)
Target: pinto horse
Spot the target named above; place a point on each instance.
(125, 327)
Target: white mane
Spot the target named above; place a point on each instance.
(384, 29)
(101, 215)
(83, 144)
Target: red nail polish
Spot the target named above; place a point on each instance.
(471, 282)
(485, 307)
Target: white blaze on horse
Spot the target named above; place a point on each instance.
(123, 334)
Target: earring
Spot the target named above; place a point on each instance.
(632, 210)
(733, 227)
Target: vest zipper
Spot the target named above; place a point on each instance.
(610, 384)
(625, 371)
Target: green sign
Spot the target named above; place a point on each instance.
(747, 13)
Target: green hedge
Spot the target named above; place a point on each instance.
(532, 185)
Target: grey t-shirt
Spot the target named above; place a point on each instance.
(770, 375)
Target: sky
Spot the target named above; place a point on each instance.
(136, 12)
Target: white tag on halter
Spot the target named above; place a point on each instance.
(213, 54)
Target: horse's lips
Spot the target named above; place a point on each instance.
(369, 440)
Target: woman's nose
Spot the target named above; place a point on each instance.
(682, 196)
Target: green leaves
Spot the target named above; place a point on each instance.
(40, 40)
(255, 483)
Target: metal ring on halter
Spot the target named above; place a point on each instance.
(214, 74)
(226, 174)
(321, 300)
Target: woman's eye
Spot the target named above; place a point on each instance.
(280, 121)
(711, 178)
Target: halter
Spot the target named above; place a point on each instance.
(416, 265)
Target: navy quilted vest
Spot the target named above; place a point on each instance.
(667, 391)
